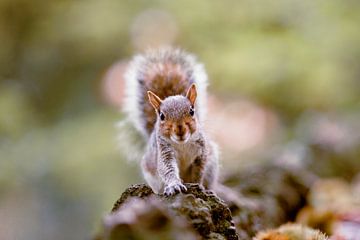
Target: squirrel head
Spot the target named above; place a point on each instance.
(176, 115)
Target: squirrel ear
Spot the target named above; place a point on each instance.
(192, 94)
(154, 100)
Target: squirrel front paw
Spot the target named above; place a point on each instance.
(172, 188)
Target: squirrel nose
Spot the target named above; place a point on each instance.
(180, 131)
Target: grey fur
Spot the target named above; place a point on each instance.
(195, 161)
(140, 64)
(166, 163)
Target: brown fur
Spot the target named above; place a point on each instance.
(169, 126)
(163, 79)
(160, 103)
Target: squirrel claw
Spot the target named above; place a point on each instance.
(174, 188)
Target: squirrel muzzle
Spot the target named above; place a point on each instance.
(180, 133)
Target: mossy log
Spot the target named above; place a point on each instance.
(266, 197)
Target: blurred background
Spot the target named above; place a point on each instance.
(285, 86)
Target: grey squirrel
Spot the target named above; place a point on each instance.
(165, 99)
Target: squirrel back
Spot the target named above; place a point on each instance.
(165, 72)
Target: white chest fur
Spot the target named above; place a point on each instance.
(185, 154)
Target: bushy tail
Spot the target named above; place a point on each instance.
(166, 72)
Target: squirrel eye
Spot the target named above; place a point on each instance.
(162, 116)
(192, 112)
